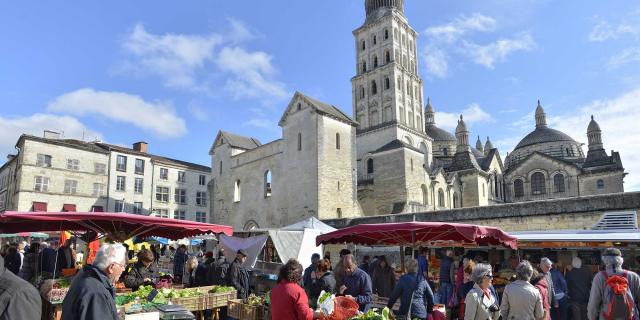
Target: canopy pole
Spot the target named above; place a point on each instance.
(402, 259)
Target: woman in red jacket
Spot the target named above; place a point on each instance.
(540, 282)
(288, 299)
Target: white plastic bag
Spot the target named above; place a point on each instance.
(328, 304)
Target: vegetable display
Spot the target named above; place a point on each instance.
(165, 294)
(373, 315)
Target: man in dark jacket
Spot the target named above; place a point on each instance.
(238, 277)
(18, 298)
(218, 275)
(143, 272)
(12, 260)
(579, 285)
(202, 270)
(306, 277)
(91, 294)
(178, 262)
(356, 283)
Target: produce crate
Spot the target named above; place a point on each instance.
(196, 303)
(238, 310)
(218, 300)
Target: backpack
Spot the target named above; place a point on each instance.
(620, 303)
(219, 273)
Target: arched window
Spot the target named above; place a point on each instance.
(364, 45)
(538, 183)
(375, 40)
(338, 141)
(299, 106)
(558, 183)
(395, 32)
(455, 201)
(425, 195)
(362, 92)
(299, 141)
(236, 191)
(409, 91)
(386, 34)
(387, 57)
(364, 66)
(374, 87)
(375, 61)
(387, 83)
(267, 184)
(518, 188)
(411, 124)
(370, 166)
(441, 198)
(600, 185)
(445, 151)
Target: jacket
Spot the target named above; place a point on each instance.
(422, 296)
(543, 288)
(306, 276)
(521, 301)
(327, 283)
(551, 288)
(477, 305)
(179, 260)
(19, 300)
(238, 277)
(137, 274)
(597, 305)
(559, 284)
(202, 272)
(447, 270)
(383, 281)
(29, 267)
(48, 260)
(579, 285)
(359, 287)
(91, 297)
(289, 301)
(217, 275)
(12, 262)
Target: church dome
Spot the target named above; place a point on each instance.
(372, 6)
(438, 134)
(542, 135)
(593, 126)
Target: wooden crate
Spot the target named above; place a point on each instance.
(217, 300)
(238, 310)
(196, 303)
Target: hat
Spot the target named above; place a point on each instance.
(209, 254)
(612, 252)
(242, 252)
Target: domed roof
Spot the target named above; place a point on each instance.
(542, 135)
(373, 5)
(462, 127)
(438, 134)
(593, 126)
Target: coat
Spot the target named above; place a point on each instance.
(91, 297)
(597, 305)
(179, 260)
(543, 288)
(19, 300)
(327, 283)
(521, 301)
(409, 287)
(477, 305)
(289, 301)
(359, 287)
(12, 262)
(384, 280)
(30, 266)
(136, 275)
(579, 285)
(238, 277)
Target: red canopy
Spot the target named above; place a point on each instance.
(419, 233)
(118, 226)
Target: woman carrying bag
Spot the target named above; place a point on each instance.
(480, 304)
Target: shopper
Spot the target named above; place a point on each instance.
(539, 281)
(466, 286)
(288, 299)
(520, 299)
(306, 278)
(143, 272)
(12, 260)
(237, 276)
(561, 294)
(545, 267)
(578, 285)
(366, 265)
(179, 260)
(323, 280)
(91, 294)
(480, 304)
(356, 283)
(604, 303)
(447, 279)
(416, 297)
(189, 274)
(339, 269)
(31, 263)
(384, 278)
(18, 299)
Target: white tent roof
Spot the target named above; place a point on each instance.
(310, 223)
(629, 235)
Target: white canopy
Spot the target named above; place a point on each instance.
(629, 235)
(311, 223)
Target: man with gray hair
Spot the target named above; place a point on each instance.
(545, 267)
(91, 294)
(520, 299)
(604, 301)
(356, 283)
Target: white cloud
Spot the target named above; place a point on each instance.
(252, 74)
(450, 32)
(436, 62)
(12, 127)
(603, 30)
(157, 117)
(488, 55)
(629, 55)
(617, 118)
(473, 113)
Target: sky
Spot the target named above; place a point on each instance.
(174, 73)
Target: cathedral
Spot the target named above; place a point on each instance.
(392, 157)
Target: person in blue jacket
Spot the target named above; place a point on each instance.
(414, 292)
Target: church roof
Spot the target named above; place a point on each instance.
(542, 135)
(600, 160)
(376, 9)
(242, 142)
(328, 109)
(593, 126)
(396, 144)
(464, 160)
(438, 134)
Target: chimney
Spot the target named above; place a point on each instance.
(48, 134)
(140, 146)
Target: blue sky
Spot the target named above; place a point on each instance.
(174, 73)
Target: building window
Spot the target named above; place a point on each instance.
(181, 196)
(375, 61)
(538, 183)
(600, 185)
(98, 189)
(121, 163)
(120, 183)
(483, 191)
(41, 184)
(162, 194)
(138, 186)
(339, 213)
(445, 151)
(369, 166)
(179, 215)
(44, 160)
(299, 141)
(387, 57)
(164, 174)
(363, 45)
(139, 166)
(441, 202)
(202, 180)
(119, 206)
(201, 217)
(236, 191)
(299, 106)
(220, 168)
(337, 141)
(374, 87)
(362, 92)
(364, 66)
(386, 34)
(387, 83)
(425, 195)
(182, 176)
(267, 184)
(455, 200)
(73, 164)
(100, 168)
(558, 183)
(137, 207)
(375, 40)
(518, 188)
(162, 213)
(201, 198)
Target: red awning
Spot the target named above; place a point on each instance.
(418, 234)
(68, 207)
(118, 226)
(39, 207)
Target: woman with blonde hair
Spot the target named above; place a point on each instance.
(189, 275)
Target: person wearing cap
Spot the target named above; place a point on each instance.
(238, 277)
(598, 305)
